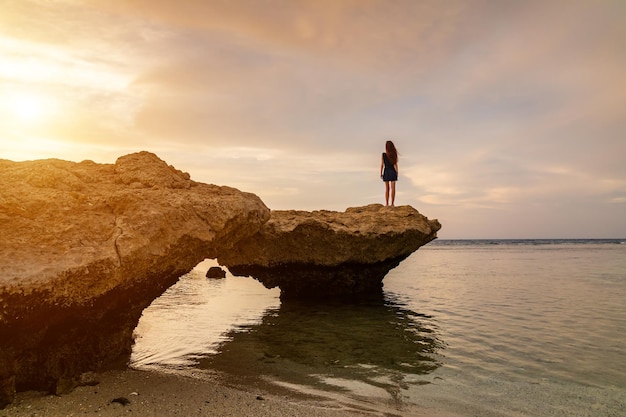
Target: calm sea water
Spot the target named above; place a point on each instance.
(470, 328)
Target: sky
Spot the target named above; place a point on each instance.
(509, 116)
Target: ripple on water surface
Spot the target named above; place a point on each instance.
(499, 329)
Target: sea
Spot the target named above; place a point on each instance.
(462, 328)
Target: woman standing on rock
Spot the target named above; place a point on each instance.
(389, 171)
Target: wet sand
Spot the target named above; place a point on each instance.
(148, 393)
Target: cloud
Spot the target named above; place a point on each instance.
(496, 107)
(378, 33)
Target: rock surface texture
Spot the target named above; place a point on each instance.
(324, 254)
(85, 247)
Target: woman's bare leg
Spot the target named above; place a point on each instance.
(393, 193)
(386, 193)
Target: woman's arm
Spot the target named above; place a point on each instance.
(382, 165)
(397, 170)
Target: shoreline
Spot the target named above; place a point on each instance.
(152, 393)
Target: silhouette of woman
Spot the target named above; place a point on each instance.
(389, 171)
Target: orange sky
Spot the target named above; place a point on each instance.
(509, 116)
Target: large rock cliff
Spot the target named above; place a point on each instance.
(324, 254)
(85, 247)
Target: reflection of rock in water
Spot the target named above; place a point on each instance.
(377, 342)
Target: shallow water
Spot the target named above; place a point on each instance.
(500, 328)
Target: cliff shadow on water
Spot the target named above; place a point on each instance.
(363, 348)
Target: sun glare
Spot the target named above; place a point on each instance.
(29, 107)
(25, 128)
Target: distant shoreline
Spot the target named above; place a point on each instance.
(541, 241)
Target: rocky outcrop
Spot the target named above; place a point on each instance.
(323, 254)
(215, 272)
(85, 247)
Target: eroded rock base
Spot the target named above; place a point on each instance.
(315, 282)
(50, 350)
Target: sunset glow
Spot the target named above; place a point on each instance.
(293, 101)
(28, 107)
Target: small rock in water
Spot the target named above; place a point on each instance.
(216, 272)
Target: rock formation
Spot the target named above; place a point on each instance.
(85, 247)
(215, 272)
(325, 254)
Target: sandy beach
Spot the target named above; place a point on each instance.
(147, 393)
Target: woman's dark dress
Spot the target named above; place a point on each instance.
(389, 172)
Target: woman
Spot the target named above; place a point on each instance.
(389, 171)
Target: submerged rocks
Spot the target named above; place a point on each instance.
(86, 247)
(215, 272)
(323, 254)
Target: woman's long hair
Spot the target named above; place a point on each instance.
(392, 153)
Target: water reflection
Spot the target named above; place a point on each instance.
(190, 320)
(370, 348)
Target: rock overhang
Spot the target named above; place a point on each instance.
(86, 247)
(324, 253)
